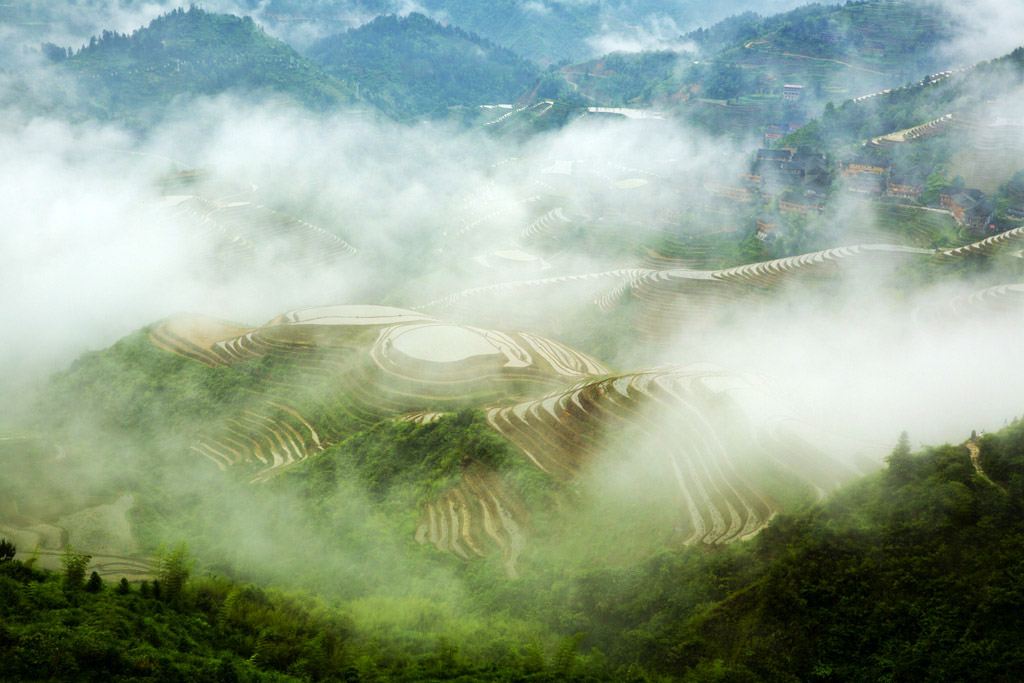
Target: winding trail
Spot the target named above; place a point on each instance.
(750, 46)
(975, 451)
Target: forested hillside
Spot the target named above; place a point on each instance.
(969, 95)
(189, 53)
(909, 574)
(411, 66)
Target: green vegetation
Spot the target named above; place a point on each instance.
(963, 93)
(554, 35)
(133, 78)
(907, 574)
(213, 630)
(412, 66)
(315, 550)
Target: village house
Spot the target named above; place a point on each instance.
(970, 208)
(783, 155)
(775, 170)
(797, 202)
(792, 93)
(863, 174)
(908, 184)
(957, 200)
(980, 218)
(855, 165)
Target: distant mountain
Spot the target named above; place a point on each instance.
(552, 31)
(413, 65)
(832, 51)
(191, 52)
(970, 94)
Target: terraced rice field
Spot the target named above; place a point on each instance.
(999, 299)
(1009, 240)
(670, 296)
(711, 432)
(339, 368)
(109, 567)
(995, 154)
(246, 232)
(913, 225)
(939, 126)
(476, 517)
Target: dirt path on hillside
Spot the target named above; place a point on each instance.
(750, 46)
(972, 448)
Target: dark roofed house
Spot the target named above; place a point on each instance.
(949, 193)
(970, 208)
(908, 184)
(797, 202)
(781, 155)
(857, 164)
(864, 183)
(963, 201)
(778, 171)
(979, 217)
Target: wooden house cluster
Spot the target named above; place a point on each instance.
(971, 209)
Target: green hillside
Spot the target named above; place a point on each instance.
(135, 78)
(411, 66)
(909, 574)
(741, 64)
(968, 94)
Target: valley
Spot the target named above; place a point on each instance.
(357, 343)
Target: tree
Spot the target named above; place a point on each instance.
(899, 460)
(75, 564)
(565, 656)
(174, 570)
(123, 588)
(7, 550)
(95, 583)
(935, 182)
(902, 445)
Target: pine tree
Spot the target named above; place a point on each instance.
(95, 583)
(899, 460)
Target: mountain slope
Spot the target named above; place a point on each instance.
(413, 65)
(828, 49)
(190, 53)
(912, 575)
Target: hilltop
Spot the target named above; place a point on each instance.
(411, 66)
(135, 78)
(733, 75)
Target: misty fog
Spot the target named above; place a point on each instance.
(242, 209)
